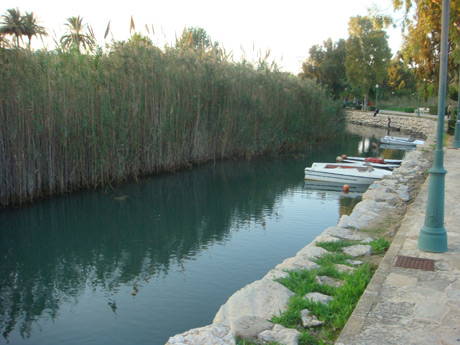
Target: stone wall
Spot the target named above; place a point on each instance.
(418, 125)
(246, 312)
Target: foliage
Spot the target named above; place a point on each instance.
(368, 54)
(69, 120)
(380, 245)
(400, 79)
(409, 110)
(422, 35)
(196, 38)
(17, 25)
(336, 313)
(77, 35)
(326, 65)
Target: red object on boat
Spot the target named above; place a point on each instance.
(374, 160)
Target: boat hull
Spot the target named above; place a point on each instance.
(344, 173)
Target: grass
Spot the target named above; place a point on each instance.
(336, 314)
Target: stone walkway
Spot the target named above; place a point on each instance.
(414, 306)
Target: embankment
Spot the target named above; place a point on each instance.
(246, 312)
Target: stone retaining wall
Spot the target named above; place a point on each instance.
(246, 312)
(409, 123)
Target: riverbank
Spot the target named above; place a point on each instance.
(249, 308)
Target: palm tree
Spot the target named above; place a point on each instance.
(31, 27)
(76, 36)
(12, 24)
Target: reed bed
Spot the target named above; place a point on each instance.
(69, 120)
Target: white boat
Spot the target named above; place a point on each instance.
(374, 160)
(353, 191)
(375, 165)
(398, 147)
(344, 173)
(401, 141)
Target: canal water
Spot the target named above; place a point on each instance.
(137, 263)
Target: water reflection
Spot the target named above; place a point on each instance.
(73, 250)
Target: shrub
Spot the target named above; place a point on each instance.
(409, 110)
(371, 108)
(358, 107)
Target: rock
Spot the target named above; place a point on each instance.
(367, 240)
(309, 320)
(275, 274)
(216, 334)
(298, 262)
(325, 280)
(358, 250)
(344, 234)
(249, 327)
(262, 298)
(281, 335)
(354, 262)
(318, 297)
(312, 252)
(344, 268)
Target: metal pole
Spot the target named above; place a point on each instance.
(377, 96)
(418, 101)
(456, 142)
(433, 235)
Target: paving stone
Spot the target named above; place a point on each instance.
(298, 262)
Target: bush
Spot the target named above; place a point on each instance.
(372, 108)
(409, 110)
(434, 110)
(358, 107)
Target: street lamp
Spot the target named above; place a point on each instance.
(377, 96)
(433, 235)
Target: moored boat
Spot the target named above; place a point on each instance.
(401, 141)
(345, 173)
(374, 160)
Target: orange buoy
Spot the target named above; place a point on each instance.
(344, 156)
(346, 188)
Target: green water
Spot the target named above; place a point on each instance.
(137, 263)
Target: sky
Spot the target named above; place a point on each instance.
(249, 29)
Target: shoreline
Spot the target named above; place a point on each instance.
(260, 300)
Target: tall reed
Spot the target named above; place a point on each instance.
(69, 121)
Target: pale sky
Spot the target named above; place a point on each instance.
(287, 28)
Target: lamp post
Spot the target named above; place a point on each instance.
(456, 142)
(418, 102)
(376, 96)
(433, 235)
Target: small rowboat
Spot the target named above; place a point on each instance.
(344, 173)
(401, 141)
(374, 160)
(381, 163)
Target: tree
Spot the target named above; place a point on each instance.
(78, 34)
(401, 79)
(12, 24)
(422, 35)
(326, 65)
(196, 38)
(31, 27)
(368, 54)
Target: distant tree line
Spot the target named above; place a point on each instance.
(355, 66)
